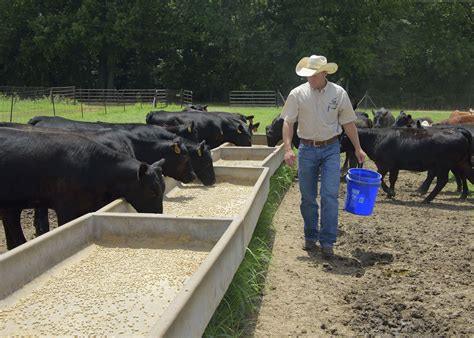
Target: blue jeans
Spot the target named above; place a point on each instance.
(313, 162)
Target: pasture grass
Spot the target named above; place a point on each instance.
(238, 307)
(24, 110)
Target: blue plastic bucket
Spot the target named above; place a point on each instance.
(362, 187)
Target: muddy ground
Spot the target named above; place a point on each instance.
(406, 269)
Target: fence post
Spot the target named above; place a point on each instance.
(82, 111)
(54, 108)
(105, 101)
(11, 108)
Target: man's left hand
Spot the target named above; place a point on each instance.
(360, 155)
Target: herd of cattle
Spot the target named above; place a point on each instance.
(404, 143)
(77, 167)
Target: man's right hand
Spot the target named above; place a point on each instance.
(290, 157)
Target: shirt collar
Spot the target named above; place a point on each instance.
(320, 91)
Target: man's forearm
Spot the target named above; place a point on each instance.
(351, 132)
(287, 135)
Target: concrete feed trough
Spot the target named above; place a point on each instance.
(270, 157)
(118, 272)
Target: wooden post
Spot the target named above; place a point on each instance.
(54, 108)
(82, 110)
(105, 101)
(11, 108)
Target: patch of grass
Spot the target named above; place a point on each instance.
(238, 307)
(23, 110)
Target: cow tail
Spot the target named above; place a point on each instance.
(468, 136)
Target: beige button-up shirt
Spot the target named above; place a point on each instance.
(320, 113)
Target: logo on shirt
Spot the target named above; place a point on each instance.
(332, 105)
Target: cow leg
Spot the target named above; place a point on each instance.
(423, 189)
(41, 221)
(65, 214)
(441, 180)
(459, 181)
(12, 226)
(385, 188)
(345, 165)
(392, 179)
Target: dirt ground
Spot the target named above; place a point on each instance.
(27, 219)
(406, 269)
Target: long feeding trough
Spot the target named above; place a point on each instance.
(117, 272)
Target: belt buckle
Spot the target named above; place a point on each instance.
(318, 144)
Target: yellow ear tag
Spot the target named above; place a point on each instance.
(189, 129)
(199, 152)
(177, 150)
(238, 131)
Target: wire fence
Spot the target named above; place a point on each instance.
(19, 104)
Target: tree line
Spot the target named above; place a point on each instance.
(215, 46)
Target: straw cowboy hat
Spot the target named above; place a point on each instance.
(308, 66)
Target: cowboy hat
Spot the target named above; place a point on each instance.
(308, 66)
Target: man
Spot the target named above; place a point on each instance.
(321, 108)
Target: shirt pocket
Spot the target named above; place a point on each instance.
(331, 113)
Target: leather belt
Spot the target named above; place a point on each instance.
(319, 143)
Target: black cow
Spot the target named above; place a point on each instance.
(405, 120)
(211, 128)
(460, 182)
(383, 118)
(274, 133)
(70, 174)
(187, 131)
(198, 107)
(178, 162)
(201, 157)
(243, 118)
(362, 121)
(394, 149)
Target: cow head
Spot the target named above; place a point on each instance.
(178, 161)
(186, 130)
(274, 132)
(238, 133)
(383, 118)
(201, 160)
(403, 120)
(145, 193)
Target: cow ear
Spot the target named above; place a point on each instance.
(255, 126)
(201, 148)
(250, 118)
(142, 170)
(409, 116)
(176, 147)
(157, 167)
(240, 129)
(204, 107)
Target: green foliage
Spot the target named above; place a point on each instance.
(213, 47)
(240, 302)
